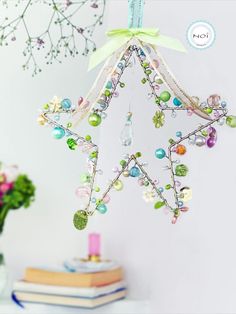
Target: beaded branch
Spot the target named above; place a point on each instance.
(164, 90)
(60, 36)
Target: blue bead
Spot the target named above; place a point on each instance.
(180, 203)
(58, 132)
(161, 190)
(179, 134)
(160, 153)
(120, 65)
(102, 208)
(109, 85)
(66, 104)
(223, 104)
(93, 200)
(177, 102)
(134, 172)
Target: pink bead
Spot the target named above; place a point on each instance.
(184, 209)
(82, 191)
(174, 220)
(80, 101)
(106, 199)
(213, 100)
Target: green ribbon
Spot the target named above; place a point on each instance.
(120, 37)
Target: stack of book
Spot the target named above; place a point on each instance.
(65, 288)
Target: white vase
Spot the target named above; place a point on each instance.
(3, 275)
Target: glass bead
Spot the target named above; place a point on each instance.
(88, 138)
(122, 85)
(180, 149)
(179, 134)
(93, 200)
(72, 144)
(103, 115)
(138, 154)
(231, 121)
(144, 80)
(66, 104)
(106, 199)
(94, 119)
(180, 203)
(221, 121)
(168, 186)
(211, 142)
(118, 185)
(120, 65)
(181, 170)
(80, 219)
(83, 192)
(160, 153)
(57, 117)
(223, 104)
(165, 96)
(102, 208)
(185, 194)
(177, 102)
(109, 85)
(161, 190)
(146, 183)
(58, 132)
(126, 173)
(134, 172)
(159, 204)
(41, 120)
(200, 140)
(148, 72)
(85, 178)
(123, 163)
(107, 93)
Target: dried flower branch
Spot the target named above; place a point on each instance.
(60, 36)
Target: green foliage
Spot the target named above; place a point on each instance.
(22, 193)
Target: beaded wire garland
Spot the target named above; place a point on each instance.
(169, 98)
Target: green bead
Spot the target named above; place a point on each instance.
(122, 85)
(85, 178)
(118, 185)
(80, 219)
(204, 133)
(94, 119)
(46, 106)
(146, 183)
(168, 187)
(94, 154)
(144, 80)
(123, 163)
(72, 144)
(97, 189)
(69, 125)
(208, 110)
(177, 212)
(88, 138)
(159, 119)
(138, 154)
(107, 93)
(165, 96)
(148, 72)
(158, 100)
(181, 170)
(159, 204)
(171, 141)
(159, 81)
(145, 64)
(231, 121)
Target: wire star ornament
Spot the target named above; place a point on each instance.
(170, 98)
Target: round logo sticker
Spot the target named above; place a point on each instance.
(201, 35)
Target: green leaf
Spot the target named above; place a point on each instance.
(159, 204)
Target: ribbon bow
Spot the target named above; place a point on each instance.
(119, 37)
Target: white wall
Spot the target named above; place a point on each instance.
(186, 268)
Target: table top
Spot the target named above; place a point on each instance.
(125, 306)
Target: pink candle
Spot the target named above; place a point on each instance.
(94, 244)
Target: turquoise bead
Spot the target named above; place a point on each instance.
(179, 134)
(58, 132)
(160, 153)
(66, 104)
(161, 190)
(102, 208)
(109, 85)
(177, 102)
(134, 172)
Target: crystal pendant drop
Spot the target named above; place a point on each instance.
(126, 136)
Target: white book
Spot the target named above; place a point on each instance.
(91, 292)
